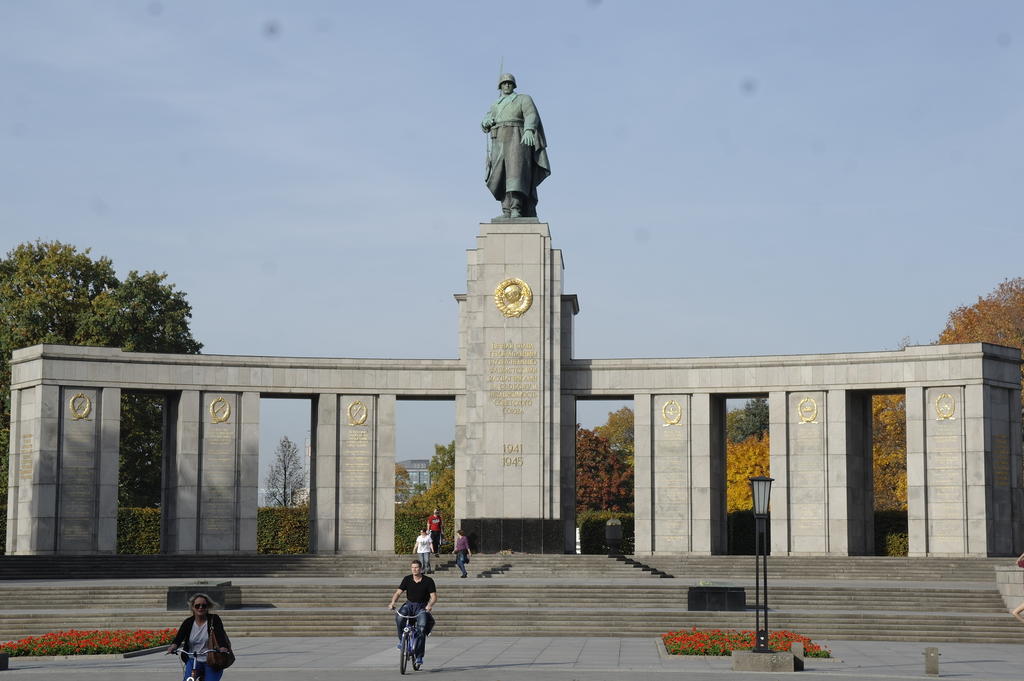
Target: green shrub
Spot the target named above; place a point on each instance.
(891, 535)
(897, 544)
(282, 529)
(138, 530)
(591, 525)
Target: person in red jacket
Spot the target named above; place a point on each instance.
(434, 524)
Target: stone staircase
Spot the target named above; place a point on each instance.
(827, 597)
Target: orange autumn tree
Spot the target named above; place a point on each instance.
(996, 318)
(889, 451)
(604, 481)
(746, 452)
(743, 460)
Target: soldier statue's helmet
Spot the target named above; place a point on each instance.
(506, 78)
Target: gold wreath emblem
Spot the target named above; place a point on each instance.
(80, 406)
(808, 410)
(220, 410)
(356, 413)
(513, 297)
(945, 407)
(671, 413)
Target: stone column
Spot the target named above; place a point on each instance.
(324, 476)
(807, 466)
(860, 485)
(1016, 472)
(778, 468)
(512, 322)
(108, 469)
(946, 471)
(366, 487)
(63, 470)
(181, 475)
(670, 474)
(707, 473)
(917, 502)
(212, 473)
(249, 472)
(567, 473)
(33, 468)
(990, 414)
(643, 476)
(384, 466)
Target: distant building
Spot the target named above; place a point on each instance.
(418, 473)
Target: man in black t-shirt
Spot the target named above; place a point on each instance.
(420, 595)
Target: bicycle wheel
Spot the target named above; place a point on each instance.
(403, 654)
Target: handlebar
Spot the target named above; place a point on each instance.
(179, 651)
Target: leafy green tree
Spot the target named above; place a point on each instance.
(443, 460)
(403, 484)
(51, 292)
(750, 419)
(441, 493)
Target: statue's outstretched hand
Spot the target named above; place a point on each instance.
(528, 138)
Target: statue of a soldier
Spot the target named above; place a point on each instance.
(517, 160)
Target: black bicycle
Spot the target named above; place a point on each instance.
(407, 645)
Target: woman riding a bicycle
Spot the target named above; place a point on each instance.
(194, 636)
(421, 594)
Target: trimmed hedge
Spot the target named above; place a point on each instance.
(408, 526)
(591, 524)
(282, 529)
(138, 531)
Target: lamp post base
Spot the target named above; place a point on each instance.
(761, 643)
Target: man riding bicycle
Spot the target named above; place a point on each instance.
(420, 594)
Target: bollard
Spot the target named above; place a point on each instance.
(931, 661)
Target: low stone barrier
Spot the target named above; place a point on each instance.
(1010, 581)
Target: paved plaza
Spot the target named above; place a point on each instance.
(527, 658)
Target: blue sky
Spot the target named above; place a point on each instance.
(729, 178)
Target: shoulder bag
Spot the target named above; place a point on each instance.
(217, 659)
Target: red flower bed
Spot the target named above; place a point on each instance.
(723, 642)
(88, 642)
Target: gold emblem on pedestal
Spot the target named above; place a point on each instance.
(220, 410)
(513, 297)
(807, 410)
(945, 407)
(356, 413)
(671, 413)
(80, 406)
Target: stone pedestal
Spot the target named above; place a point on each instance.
(747, 661)
(508, 478)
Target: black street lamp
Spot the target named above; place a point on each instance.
(761, 489)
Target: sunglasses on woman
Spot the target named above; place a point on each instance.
(200, 605)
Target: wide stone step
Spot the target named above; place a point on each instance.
(585, 623)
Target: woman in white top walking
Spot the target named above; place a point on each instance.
(424, 547)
